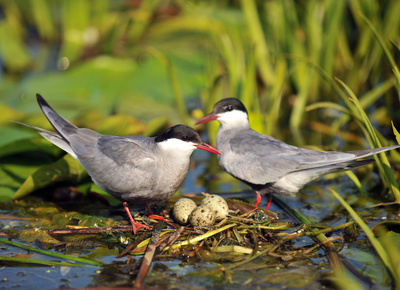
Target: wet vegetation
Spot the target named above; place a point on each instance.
(316, 74)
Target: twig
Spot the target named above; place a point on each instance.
(148, 257)
(92, 231)
(171, 239)
(200, 238)
(134, 244)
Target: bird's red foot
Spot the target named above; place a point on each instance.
(157, 217)
(135, 225)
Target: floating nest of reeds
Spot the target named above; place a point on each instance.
(246, 234)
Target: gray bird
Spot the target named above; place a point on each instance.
(135, 169)
(268, 165)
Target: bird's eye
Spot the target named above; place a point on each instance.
(228, 108)
(185, 138)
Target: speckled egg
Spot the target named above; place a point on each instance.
(202, 216)
(217, 204)
(182, 209)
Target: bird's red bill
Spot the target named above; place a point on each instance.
(207, 147)
(207, 118)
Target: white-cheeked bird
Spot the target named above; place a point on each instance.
(268, 165)
(133, 169)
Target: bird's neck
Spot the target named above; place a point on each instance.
(236, 124)
(176, 151)
(234, 120)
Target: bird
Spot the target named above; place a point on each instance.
(134, 169)
(269, 165)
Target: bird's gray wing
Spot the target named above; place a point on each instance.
(127, 150)
(116, 151)
(261, 159)
(118, 164)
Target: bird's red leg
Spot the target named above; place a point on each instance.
(269, 201)
(135, 225)
(258, 200)
(154, 216)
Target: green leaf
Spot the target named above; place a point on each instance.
(65, 169)
(11, 178)
(32, 144)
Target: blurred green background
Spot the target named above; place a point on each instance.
(136, 67)
(154, 59)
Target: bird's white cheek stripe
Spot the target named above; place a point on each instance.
(233, 118)
(176, 144)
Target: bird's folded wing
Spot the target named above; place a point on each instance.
(265, 159)
(126, 151)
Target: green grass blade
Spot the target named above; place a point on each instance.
(390, 245)
(329, 105)
(382, 161)
(396, 133)
(258, 38)
(329, 247)
(75, 17)
(174, 83)
(40, 262)
(199, 238)
(14, 54)
(334, 15)
(275, 96)
(42, 15)
(356, 181)
(386, 51)
(48, 253)
(374, 241)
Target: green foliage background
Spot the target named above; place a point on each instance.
(309, 72)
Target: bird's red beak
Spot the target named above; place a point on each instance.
(207, 147)
(207, 118)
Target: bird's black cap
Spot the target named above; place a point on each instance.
(227, 105)
(181, 132)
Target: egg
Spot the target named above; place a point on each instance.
(182, 209)
(202, 216)
(217, 204)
